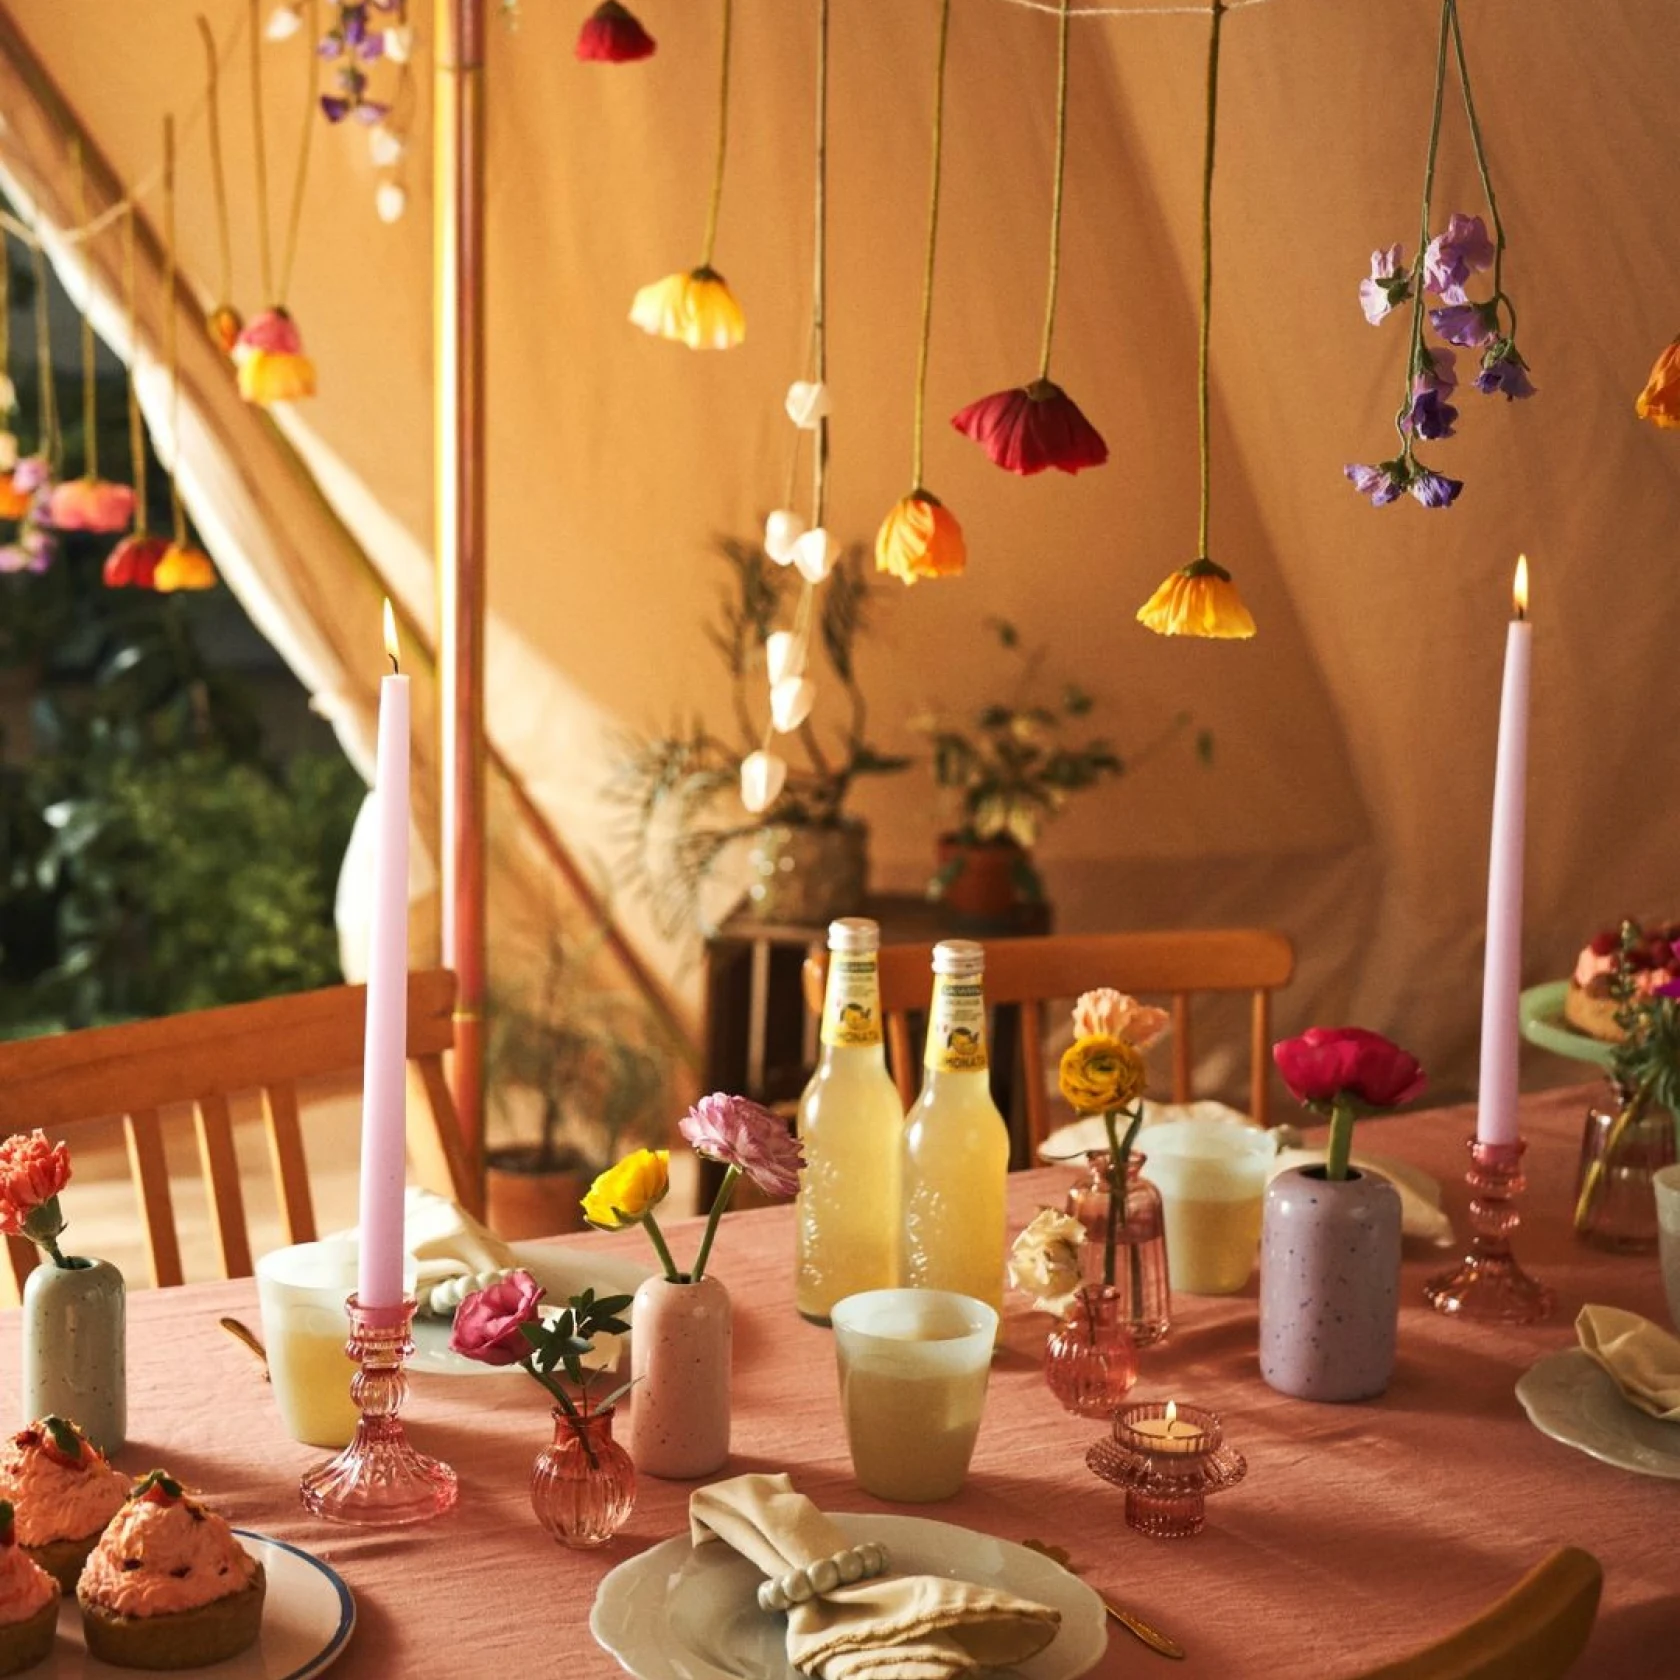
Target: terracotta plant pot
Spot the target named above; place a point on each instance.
(524, 1200)
(983, 878)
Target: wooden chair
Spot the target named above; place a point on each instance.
(1535, 1632)
(1031, 972)
(204, 1058)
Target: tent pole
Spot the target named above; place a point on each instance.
(458, 374)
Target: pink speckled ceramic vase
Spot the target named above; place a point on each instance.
(681, 1341)
(1329, 1284)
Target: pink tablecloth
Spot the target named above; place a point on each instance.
(1360, 1531)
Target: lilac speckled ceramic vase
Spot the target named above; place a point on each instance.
(1329, 1284)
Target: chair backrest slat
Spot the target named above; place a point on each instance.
(137, 1070)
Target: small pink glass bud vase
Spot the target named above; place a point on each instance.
(1140, 1260)
(583, 1487)
(1090, 1360)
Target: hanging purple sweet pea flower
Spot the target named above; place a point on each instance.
(1387, 288)
(1433, 489)
(1383, 483)
(1504, 372)
(1470, 324)
(1431, 415)
(1453, 255)
(1439, 369)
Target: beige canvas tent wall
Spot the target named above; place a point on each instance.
(1349, 796)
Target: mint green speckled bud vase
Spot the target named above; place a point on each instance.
(75, 1348)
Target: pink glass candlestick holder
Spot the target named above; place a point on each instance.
(1489, 1285)
(1168, 1458)
(379, 1478)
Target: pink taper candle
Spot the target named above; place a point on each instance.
(1496, 1105)
(385, 1049)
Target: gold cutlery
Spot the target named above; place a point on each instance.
(248, 1338)
(1134, 1624)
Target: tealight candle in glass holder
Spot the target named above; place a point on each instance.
(1168, 1458)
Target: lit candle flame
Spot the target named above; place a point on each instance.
(390, 634)
(1172, 1415)
(1519, 588)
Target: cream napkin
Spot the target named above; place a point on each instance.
(445, 1241)
(1642, 1357)
(894, 1627)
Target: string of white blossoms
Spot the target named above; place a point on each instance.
(811, 551)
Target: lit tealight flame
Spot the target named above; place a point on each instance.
(1172, 1415)
(391, 635)
(1519, 588)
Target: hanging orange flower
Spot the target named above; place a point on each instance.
(697, 309)
(14, 503)
(183, 567)
(920, 538)
(225, 327)
(1198, 600)
(1659, 402)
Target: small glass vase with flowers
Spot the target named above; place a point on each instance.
(74, 1309)
(583, 1485)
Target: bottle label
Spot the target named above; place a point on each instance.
(852, 1005)
(956, 1040)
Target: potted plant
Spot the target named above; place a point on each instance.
(577, 1073)
(686, 829)
(1012, 771)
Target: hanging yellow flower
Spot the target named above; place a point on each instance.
(1659, 402)
(697, 309)
(1198, 600)
(275, 376)
(920, 538)
(183, 567)
(624, 1194)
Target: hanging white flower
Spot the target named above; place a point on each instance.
(385, 146)
(763, 776)
(781, 531)
(390, 201)
(814, 554)
(807, 403)
(283, 22)
(399, 43)
(784, 655)
(8, 395)
(791, 701)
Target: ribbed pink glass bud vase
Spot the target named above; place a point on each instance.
(583, 1487)
(1090, 1360)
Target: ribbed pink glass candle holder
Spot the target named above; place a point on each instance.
(1489, 1285)
(379, 1479)
(1168, 1458)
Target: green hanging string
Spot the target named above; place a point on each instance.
(310, 121)
(926, 338)
(218, 173)
(177, 515)
(819, 277)
(716, 200)
(136, 426)
(48, 443)
(90, 347)
(265, 256)
(1202, 430)
(1482, 171)
(1056, 191)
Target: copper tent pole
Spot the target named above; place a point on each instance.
(458, 403)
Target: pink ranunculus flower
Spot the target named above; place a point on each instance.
(1325, 1063)
(488, 1325)
(32, 1172)
(90, 504)
(1106, 1013)
(739, 1133)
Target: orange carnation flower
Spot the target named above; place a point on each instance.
(920, 538)
(1659, 402)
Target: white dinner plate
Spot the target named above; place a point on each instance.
(1078, 1138)
(675, 1612)
(1571, 1397)
(563, 1270)
(308, 1617)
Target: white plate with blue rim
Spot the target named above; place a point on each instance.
(308, 1617)
(680, 1612)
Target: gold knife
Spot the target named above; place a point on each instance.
(1134, 1624)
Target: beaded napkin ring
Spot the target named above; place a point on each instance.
(441, 1299)
(817, 1580)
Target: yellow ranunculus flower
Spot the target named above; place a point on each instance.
(623, 1194)
(1100, 1074)
(183, 567)
(275, 376)
(697, 309)
(1659, 402)
(920, 538)
(1197, 600)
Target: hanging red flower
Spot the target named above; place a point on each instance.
(1032, 427)
(133, 563)
(611, 34)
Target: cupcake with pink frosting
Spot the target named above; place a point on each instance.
(63, 1493)
(168, 1586)
(28, 1602)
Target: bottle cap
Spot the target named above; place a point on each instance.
(960, 958)
(854, 933)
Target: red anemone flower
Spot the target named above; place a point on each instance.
(1032, 427)
(612, 35)
(133, 563)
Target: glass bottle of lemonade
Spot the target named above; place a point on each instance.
(851, 1121)
(956, 1145)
